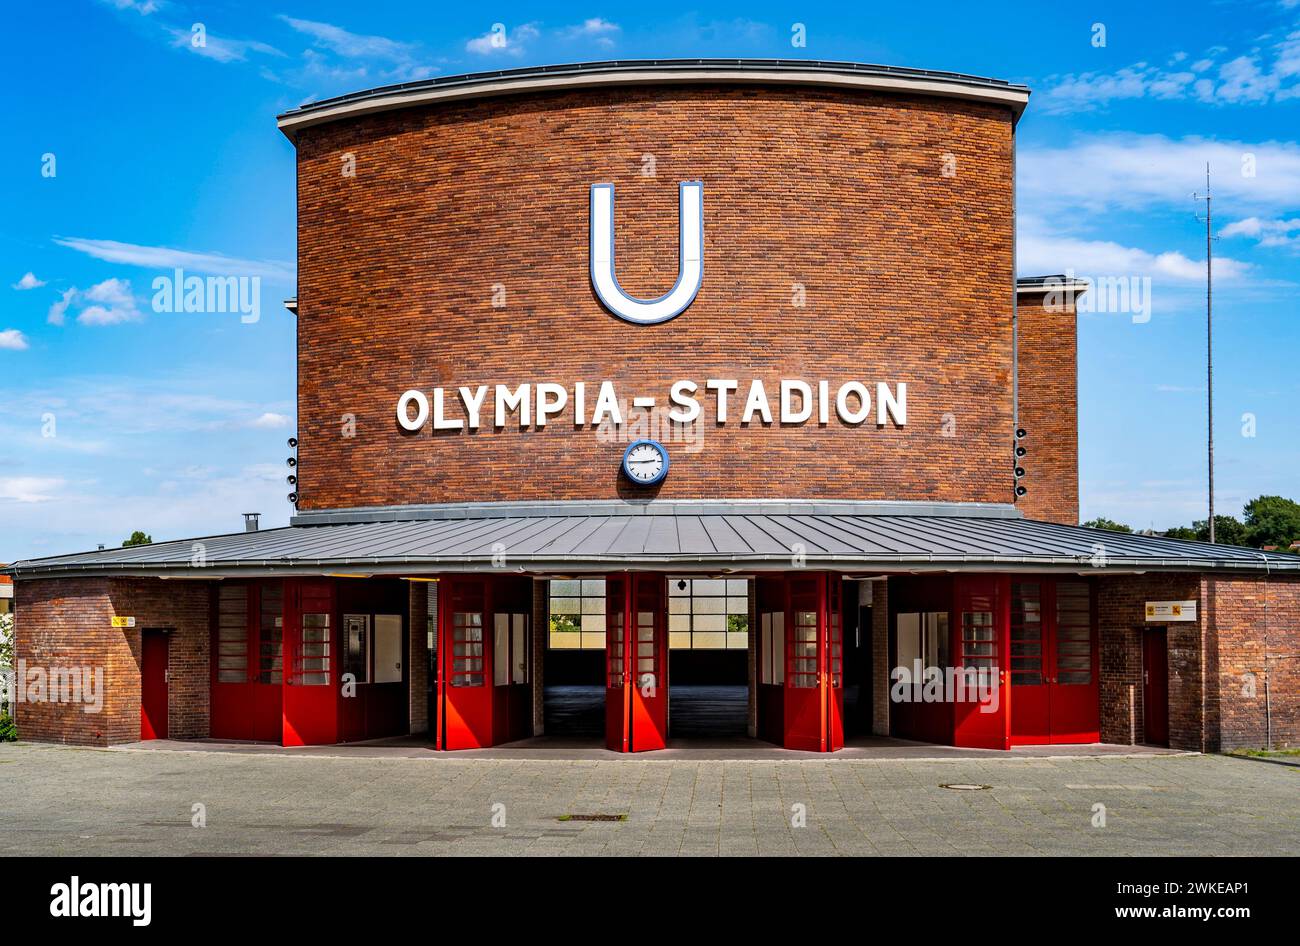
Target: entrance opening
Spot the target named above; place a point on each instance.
(708, 657)
(573, 695)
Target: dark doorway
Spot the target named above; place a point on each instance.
(1155, 686)
(153, 684)
(574, 710)
(707, 710)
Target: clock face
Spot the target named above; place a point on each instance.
(645, 462)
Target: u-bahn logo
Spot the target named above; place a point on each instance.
(690, 250)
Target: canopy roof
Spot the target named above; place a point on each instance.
(714, 537)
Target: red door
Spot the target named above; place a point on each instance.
(466, 677)
(618, 710)
(310, 701)
(834, 663)
(153, 685)
(1055, 694)
(806, 691)
(1030, 664)
(648, 663)
(636, 683)
(980, 713)
(1155, 686)
(1074, 694)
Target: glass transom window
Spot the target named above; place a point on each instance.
(708, 613)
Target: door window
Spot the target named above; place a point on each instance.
(1026, 634)
(1073, 633)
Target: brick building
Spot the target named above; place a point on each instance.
(793, 456)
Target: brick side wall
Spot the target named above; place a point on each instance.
(880, 658)
(907, 275)
(419, 657)
(1049, 412)
(1258, 634)
(64, 623)
(541, 632)
(1121, 601)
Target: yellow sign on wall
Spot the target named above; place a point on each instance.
(123, 622)
(1160, 611)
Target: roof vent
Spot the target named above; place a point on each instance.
(250, 521)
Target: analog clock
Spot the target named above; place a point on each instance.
(645, 462)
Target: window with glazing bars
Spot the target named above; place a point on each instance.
(270, 637)
(232, 634)
(467, 649)
(1073, 632)
(979, 648)
(802, 669)
(1026, 634)
(314, 656)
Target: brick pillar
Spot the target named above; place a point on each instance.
(751, 716)
(541, 630)
(880, 657)
(418, 658)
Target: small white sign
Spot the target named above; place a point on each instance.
(1165, 611)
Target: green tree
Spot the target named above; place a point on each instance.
(137, 538)
(1228, 530)
(1182, 532)
(1272, 520)
(1108, 524)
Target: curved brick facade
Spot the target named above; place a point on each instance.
(907, 274)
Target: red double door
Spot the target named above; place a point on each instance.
(274, 673)
(1055, 694)
(801, 661)
(636, 662)
(483, 653)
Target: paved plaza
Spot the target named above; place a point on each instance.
(75, 801)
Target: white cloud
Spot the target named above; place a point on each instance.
(499, 41)
(352, 45)
(142, 7)
(270, 421)
(28, 489)
(219, 48)
(163, 257)
(106, 303)
(12, 340)
(1038, 252)
(598, 30)
(59, 309)
(1284, 233)
(1136, 172)
(1261, 75)
(29, 281)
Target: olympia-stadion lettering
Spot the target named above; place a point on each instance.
(537, 402)
(791, 458)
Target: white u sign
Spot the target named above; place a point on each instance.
(690, 266)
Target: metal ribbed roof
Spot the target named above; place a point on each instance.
(723, 541)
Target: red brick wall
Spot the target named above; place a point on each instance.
(880, 668)
(67, 623)
(1049, 412)
(418, 628)
(907, 276)
(1257, 627)
(1121, 617)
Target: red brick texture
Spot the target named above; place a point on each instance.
(64, 623)
(907, 274)
(1248, 630)
(1049, 411)
(1257, 625)
(418, 661)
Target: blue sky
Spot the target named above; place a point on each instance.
(115, 417)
